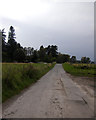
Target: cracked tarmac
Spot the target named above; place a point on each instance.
(55, 95)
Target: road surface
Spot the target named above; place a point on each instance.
(55, 95)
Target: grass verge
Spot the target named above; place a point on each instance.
(88, 70)
(17, 76)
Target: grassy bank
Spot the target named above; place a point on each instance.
(17, 76)
(80, 69)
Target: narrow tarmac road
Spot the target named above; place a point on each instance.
(55, 95)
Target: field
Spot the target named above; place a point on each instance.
(17, 76)
(80, 69)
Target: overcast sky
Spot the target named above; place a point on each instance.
(69, 25)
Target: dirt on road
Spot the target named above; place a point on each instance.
(55, 95)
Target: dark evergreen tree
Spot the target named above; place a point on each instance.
(19, 55)
(3, 40)
(48, 50)
(42, 53)
(4, 46)
(35, 56)
(12, 44)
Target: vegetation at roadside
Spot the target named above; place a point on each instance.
(17, 76)
(80, 69)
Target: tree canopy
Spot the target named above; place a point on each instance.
(14, 52)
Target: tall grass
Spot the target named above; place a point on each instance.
(80, 69)
(17, 76)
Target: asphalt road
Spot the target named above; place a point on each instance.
(55, 95)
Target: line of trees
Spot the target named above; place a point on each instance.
(14, 52)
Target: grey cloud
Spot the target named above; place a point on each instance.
(68, 25)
